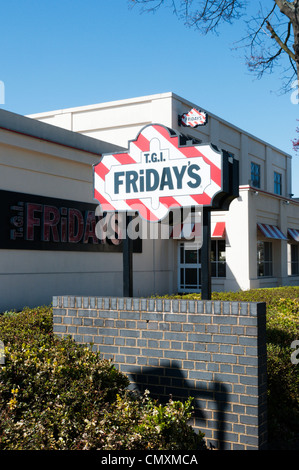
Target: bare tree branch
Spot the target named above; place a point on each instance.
(273, 35)
(204, 15)
(283, 45)
(212, 13)
(259, 29)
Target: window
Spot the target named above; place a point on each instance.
(255, 175)
(277, 183)
(189, 264)
(189, 267)
(264, 259)
(218, 258)
(293, 260)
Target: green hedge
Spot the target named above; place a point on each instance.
(283, 375)
(56, 394)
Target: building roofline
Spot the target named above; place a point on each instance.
(268, 193)
(105, 104)
(233, 126)
(40, 130)
(145, 98)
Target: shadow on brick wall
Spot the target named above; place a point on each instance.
(210, 398)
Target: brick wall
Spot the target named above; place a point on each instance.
(211, 350)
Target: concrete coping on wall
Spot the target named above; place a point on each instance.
(159, 305)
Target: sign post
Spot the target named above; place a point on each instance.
(127, 261)
(206, 255)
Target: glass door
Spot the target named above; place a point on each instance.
(189, 267)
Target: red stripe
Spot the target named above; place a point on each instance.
(191, 152)
(169, 201)
(98, 196)
(270, 230)
(124, 158)
(174, 140)
(275, 231)
(279, 233)
(101, 170)
(142, 143)
(143, 210)
(201, 199)
(265, 230)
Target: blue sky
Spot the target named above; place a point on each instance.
(66, 53)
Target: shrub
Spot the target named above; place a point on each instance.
(134, 423)
(56, 394)
(283, 376)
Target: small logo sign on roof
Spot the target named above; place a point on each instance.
(194, 118)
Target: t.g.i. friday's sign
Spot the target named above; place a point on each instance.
(156, 174)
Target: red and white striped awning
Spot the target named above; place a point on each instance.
(294, 234)
(218, 229)
(271, 231)
(194, 229)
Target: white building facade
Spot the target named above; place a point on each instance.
(45, 186)
(46, 190)
(255, 243)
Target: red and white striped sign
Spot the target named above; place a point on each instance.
(194, 118)
(156, 174)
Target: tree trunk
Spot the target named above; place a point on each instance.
(291, 10)
(296, 47)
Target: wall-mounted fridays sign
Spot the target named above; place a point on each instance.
(34, 222)
(193, 118)
(159, 171)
